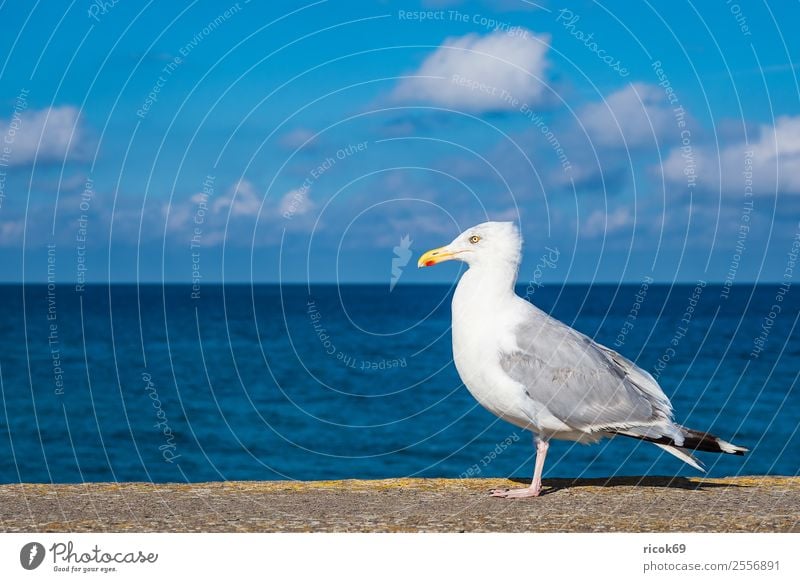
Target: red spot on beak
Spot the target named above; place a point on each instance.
(430, 263)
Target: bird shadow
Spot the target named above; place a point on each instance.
(552, 485)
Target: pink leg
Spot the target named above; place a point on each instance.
(536, 485)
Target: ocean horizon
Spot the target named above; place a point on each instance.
(170, 383)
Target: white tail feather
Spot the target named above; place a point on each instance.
(730, 448)
(683, 455)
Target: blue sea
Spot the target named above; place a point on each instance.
(166, 383)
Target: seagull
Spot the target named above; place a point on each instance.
(541, 375)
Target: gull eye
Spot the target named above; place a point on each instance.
(474, 238)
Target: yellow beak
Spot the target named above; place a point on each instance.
(435, 256)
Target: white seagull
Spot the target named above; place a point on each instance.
(540, 374)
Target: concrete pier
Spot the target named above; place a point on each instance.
(620, 504)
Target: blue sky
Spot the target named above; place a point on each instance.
(291, 141)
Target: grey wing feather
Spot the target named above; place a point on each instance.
(582, 383)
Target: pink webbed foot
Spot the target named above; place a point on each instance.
(536, 483)
(516, 493)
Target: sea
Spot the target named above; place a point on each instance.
(174, 383)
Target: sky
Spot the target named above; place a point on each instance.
(335, 141)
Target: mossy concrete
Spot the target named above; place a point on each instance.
(623, 504)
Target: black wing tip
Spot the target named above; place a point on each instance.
(696, 441)
(703, 441)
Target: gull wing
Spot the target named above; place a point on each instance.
(586, 385)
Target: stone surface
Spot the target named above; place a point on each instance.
(630, 504)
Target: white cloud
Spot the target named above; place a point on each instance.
(472, 72)
(511, 214)
(601, 222)
(241, 198)
(770, 163)
(298, 138)
(295, 203)
(635, 116)
(245, 205)
(178, 215)
(11, 232)
(46, 135)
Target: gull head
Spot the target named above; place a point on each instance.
(489, 243)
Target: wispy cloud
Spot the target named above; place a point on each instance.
(298, 138)
(601, 223)
(11, 232)
(768, 164)
(633, 117)
(232, 215)
(241, 198)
